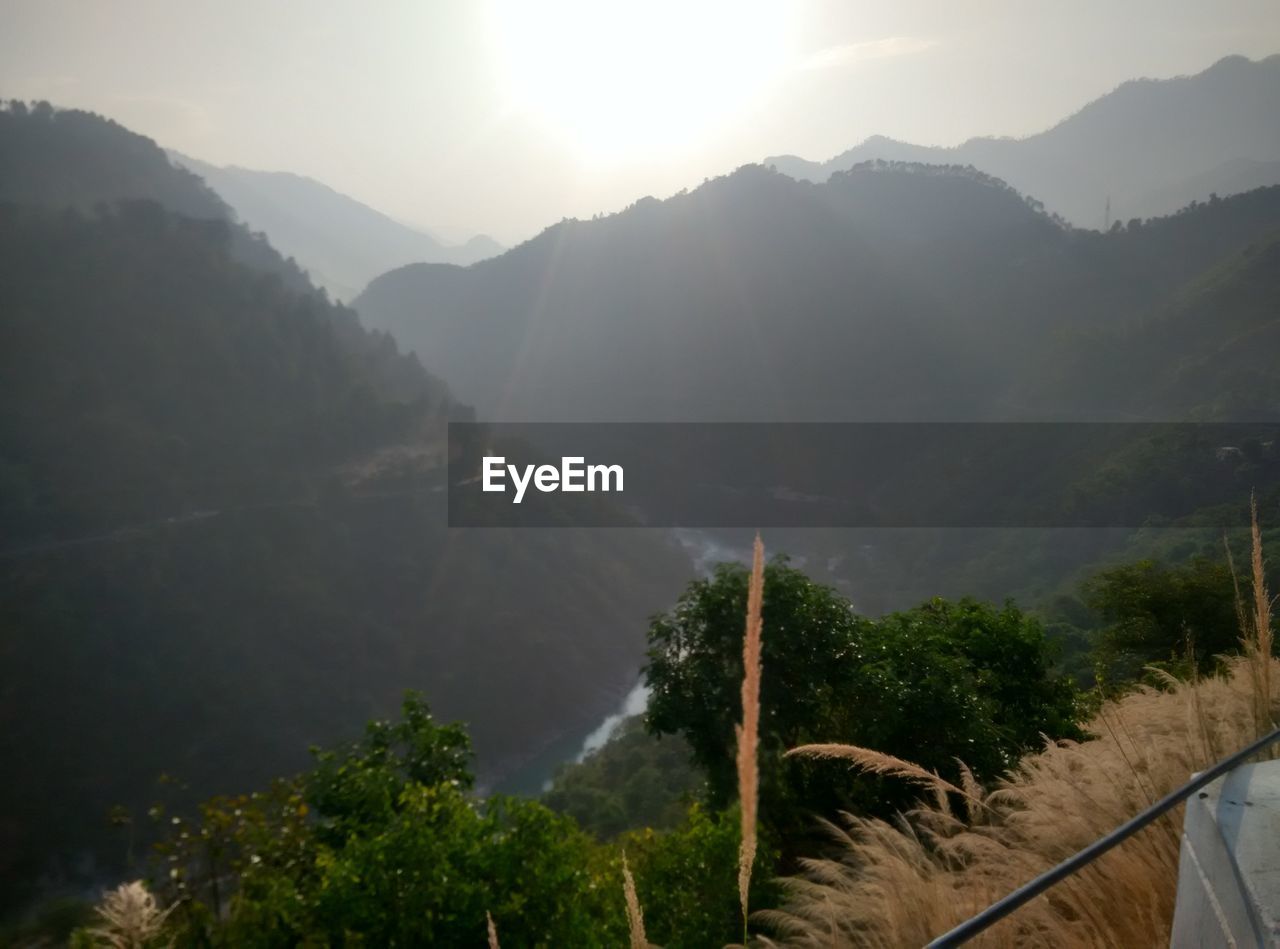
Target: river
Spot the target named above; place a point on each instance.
(704, 551)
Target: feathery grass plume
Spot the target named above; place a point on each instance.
(749, 731)
(493, 931)
(1255, 625)
(1259, 649)
(877, 762)
(635, 915)
(1242, 616)
(130, 916)
(901, 883)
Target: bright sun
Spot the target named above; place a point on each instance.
(637, 80)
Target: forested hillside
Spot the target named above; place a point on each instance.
(1206, 352)
(890, 292)
(224, 520)
(893, 292)
(146, 373)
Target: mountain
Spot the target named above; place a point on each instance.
(341, 243)
(224, 522)
(71, 159)
(1149, 147)
(1230, 177)
(889, 292)
(1208, 352)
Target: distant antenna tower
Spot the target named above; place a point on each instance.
(1106, 216)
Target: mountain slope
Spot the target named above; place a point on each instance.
(224, 525)
(1150, 146)
(1208, 352)
(342, 243)
(889, 292)
(737, 300)
(44, 156)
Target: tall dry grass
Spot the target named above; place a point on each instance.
(903, 883)
(493, 931)
(748, 732)
(129, 918)
(635, 915)
(1257, 642)
(877, 762)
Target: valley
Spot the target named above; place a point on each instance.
(260, 652)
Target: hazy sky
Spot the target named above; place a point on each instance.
(504, 117)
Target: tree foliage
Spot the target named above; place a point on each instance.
(382, 843)
(687, 879)
(942, 682)
(632, 781)
(1158, 613)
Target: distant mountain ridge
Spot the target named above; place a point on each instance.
(890, 292)
(1151, 146)
(342, 243)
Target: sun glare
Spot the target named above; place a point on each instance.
(637, 80)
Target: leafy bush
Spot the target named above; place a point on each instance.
(382, 844)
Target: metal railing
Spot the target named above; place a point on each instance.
(1029, 891)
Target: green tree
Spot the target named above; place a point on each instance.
(944, 681)
(429, 875)
(363, 785)
(960, 680)
(634, 780)
(1153, 612)
(382, 844)
(694, 668)
(687, 879)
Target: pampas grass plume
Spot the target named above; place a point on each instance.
(749, 731)
(635, 915)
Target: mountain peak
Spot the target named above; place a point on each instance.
(1147, 148)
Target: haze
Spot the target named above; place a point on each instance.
(504, 117)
